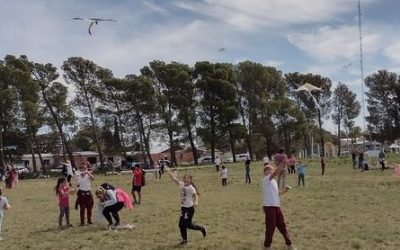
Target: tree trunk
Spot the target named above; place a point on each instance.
(59, 128)
(190, 137)
(146, 139)
(2, 162)
(212, 130)
(339, 146)
(38, 152)
(121, 134)
(33, 159)
(96, 136)
(321, 133)
(232, 144)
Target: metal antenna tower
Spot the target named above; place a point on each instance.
(361, 63)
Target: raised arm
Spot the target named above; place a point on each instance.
(171, 175)
(90, 175)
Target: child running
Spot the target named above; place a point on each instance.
(3, 206)
(271, 206)
(189, 199)
(63, 191)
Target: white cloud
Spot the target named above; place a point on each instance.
(254, 14)
(155, 7)
(336, 44)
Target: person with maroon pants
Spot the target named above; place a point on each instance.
(85, 197)
(271, 206)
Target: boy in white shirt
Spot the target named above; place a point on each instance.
(271, 206)
(3, 206)
(224, 175)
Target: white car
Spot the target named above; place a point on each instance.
(22, 169)
(239, 157)
(205, 159)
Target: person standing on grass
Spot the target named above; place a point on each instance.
(354, 158)
(301, 171)
(281, 162)
(322, 165)
(84, 195)
(247, 168)
(217, 163)
(70, 172)
(292, 164)
(137, 183)
(271, 206)
(4, 205)
(224, 175)
(63, 191)
(361, 160)
(381, 157)
(189, 199)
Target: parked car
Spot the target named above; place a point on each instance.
(57, 169)
(239, 157)
(22, 169)
(205, 159)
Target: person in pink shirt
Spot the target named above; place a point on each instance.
(62, 190)
(281, 162)
(292, 164)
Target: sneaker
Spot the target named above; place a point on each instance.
(204, 231)
(183, 242)
(89, 222)
(116, 224)
(291, 247)
(70, 225)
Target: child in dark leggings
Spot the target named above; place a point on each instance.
(189, 199)
(62, 190)
(111, 206)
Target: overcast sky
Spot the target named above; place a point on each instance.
(317, 36)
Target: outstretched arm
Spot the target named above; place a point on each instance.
(282, 191)
(172, 175)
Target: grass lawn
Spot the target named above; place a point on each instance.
(345, 209)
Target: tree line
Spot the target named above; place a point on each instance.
(238, 108)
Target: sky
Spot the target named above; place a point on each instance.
(308, 36)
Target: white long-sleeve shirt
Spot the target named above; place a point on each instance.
(111, 198)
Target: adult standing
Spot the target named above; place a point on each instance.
(217, 163)
(281, 162)
(361, 160)
(292, 164)
(322, 164)
(69, 171)
(381, 157)
(84, 195)
(137, 183)
(354, 158)
(247, 168)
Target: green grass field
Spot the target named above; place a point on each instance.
(345, 209)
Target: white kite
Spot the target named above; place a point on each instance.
(310, 88)
(94, 21)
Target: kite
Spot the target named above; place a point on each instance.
(221, 49)
(93, 21)
(309, 88)
(347, 65)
